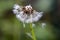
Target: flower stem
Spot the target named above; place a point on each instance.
(32, 31)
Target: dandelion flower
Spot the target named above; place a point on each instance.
(26, 14)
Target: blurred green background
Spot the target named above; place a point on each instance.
(12, 29)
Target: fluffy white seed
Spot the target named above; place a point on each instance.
(34, 17)
(16, 6)
(15, 11)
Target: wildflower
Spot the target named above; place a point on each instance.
(26, 14)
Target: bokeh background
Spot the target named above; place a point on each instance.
(12, 29)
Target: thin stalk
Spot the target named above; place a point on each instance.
(32, 32)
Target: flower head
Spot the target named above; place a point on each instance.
(26, 14)
(28, 7)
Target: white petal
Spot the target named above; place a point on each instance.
(16, 6)
(39, 16)
(20, 18)
(35, 19)
(21, 13)
(15, 11)
(28, 21)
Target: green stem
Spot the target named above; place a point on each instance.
(32, 31)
